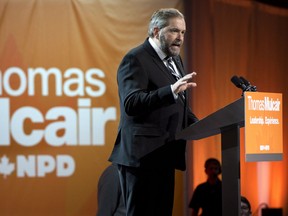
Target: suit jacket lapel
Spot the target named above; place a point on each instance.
(158, 61)
(179, 65)
(163, 68)
(181, 70)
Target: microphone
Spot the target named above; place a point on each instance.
(238, 82)
(241, 82)
(249, 86)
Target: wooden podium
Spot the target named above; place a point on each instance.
(227, 121)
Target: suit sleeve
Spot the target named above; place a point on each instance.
(133, 83)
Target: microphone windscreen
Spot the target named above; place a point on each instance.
(236, 81)
(246, 82)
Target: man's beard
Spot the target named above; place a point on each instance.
(164, 46)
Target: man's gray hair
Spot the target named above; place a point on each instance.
(160, 19)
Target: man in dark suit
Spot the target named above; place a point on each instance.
(153, 104)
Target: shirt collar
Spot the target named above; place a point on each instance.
(157, 49)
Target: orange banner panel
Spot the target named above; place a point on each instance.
(263, 126)
(59, 106)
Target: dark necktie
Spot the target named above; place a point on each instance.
(174, 73)
(171, 68)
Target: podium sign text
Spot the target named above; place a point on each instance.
(263, 126)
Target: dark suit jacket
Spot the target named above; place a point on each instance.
(150, 116)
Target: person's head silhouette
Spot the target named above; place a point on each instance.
(212, 168)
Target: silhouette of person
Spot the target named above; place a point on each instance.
(208, 195)
(110, 200)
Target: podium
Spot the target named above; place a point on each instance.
(227, 121)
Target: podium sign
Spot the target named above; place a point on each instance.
(263, 126)
(259, 134)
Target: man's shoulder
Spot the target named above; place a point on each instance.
(202, 185)
(141, 49)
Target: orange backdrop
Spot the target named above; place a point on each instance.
(58, 98)
(59, 105)
(249, 39)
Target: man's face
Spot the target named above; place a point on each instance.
(172, 36)
(212, 170)
(245, 211)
